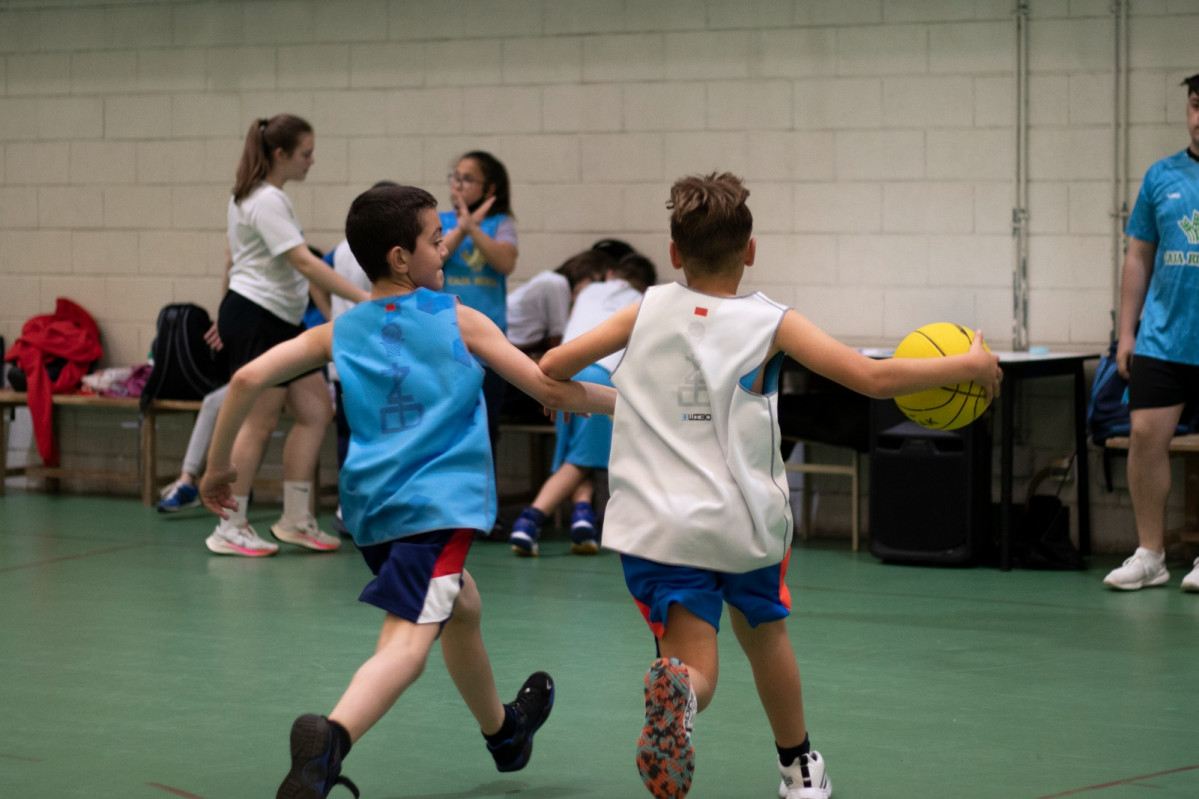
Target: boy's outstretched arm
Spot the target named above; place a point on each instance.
(309, 350)
(889, 377)
(484, 339)
(567, 360)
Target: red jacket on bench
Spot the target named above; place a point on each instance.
(70, 333)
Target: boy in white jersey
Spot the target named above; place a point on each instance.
(417, 484)
(699, 508)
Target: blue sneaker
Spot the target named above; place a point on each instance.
(315, 761)
(582, 530)
(531, 707)
(178, 496)
(525, 532)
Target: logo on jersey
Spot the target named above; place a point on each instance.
(1190, 226)
(694, 392)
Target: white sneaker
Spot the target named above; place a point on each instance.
(229, 539)
(1191, 581)
(1143, 569)
(805, 778)
(305, 534)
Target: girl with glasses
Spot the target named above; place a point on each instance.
(481, 238)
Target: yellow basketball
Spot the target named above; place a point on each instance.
(946, 407)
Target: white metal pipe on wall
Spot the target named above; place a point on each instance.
(1020, 210)
(1120, 149)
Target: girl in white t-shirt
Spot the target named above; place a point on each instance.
(269, 269)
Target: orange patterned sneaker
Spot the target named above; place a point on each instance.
(665, 757)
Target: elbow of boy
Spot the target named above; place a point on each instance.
(549, 366)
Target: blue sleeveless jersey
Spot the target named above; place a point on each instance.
(1167, 214)
(419, 456)
(470, 277)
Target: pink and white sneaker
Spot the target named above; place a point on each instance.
(305, 534)
(232, 539)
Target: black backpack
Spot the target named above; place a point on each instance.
(185, 367)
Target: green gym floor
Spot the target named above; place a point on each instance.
(135, 664)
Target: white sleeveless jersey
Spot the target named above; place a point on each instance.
(696, 475)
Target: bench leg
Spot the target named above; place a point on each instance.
(4, 412)
(148, 460)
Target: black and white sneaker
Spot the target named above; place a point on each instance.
(805, 778)
(532, 706)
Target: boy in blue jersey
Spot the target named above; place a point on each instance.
(1159, 289)
(417, 484)
(699, 508)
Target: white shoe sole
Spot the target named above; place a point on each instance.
(523, 545)
(220, 546)
(1160, 579)
(304, 540)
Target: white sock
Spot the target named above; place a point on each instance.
(237, 518)
(296, 494)
(1158, 556)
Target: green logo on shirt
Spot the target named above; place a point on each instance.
(1190, 227)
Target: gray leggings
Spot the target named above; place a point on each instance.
(197, 445)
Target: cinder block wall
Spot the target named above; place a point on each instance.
(877, 136)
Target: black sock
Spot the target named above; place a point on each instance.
(788, 756)
(343, 737)
(506, 730)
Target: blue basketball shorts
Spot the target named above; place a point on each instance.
(761, 595)
(585, 441)
(417, 578)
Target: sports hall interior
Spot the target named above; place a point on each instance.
(909, 161)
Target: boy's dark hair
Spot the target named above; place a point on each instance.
(638, 270)
(495, 175)
(615, 247)
(382, 218)
(1192, 84)
(710, 223)
(586, 265)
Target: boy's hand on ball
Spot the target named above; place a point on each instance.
(990, 375)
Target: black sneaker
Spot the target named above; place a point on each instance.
(532, 705)
(315, 761)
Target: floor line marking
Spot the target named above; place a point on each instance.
(1120, 782)
(21, 757)
(64, 558)
(175, 791)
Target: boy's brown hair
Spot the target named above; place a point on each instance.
(710, 223)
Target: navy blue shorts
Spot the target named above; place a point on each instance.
(418, 578)
(761, 595)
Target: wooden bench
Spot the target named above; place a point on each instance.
(539, 467)
(1188, 448)
(144, 475)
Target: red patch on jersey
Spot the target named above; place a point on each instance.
(389, 307)
(701, 311)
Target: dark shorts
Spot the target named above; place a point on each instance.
(418, 578)
(248, 330)
(1155, 383)
(761, 594)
